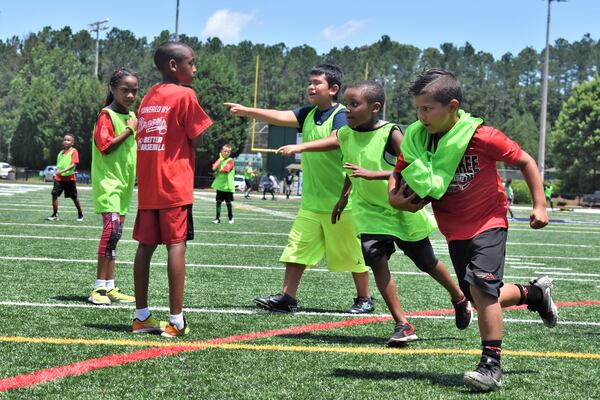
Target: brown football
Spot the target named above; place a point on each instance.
(408, 191)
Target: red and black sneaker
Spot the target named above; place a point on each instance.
(403, 333)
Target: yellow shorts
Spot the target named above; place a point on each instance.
(314, 236)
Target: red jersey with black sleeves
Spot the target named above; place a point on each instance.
(475, 200)
(169, 117)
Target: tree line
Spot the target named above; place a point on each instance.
(48, 89)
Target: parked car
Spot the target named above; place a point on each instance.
(49, 173)
(5, 170)
(239, 183)
(591, 200)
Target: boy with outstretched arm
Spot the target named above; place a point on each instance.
(370, 146)
(313, 235)
(170, 125)
(451, 156)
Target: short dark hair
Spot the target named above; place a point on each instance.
(372, 91)
(70, 134)
(169, 51)
(333, 75)
(442, 85)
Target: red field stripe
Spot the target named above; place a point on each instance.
(78, 368)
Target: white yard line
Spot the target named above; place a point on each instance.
(241, 311)
(549, 269)
(49, 260)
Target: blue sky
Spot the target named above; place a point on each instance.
(495, 26)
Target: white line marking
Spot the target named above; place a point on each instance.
(253, 267)
(99, 228)
(272, 246)
(549, 269)
(237, 311)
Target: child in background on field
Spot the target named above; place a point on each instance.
(288, 181)
(171, 122)
(65, 177)
(249, 175)
(313, 235)
(224, 170)
(510, 197)
(370, 147)
(451, 157)
(548, 190)
(113, 178)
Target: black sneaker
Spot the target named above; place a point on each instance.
(280, 302)
(403, 333)
(547, 310)
(362, 305)
(463, 313)
(486, 377)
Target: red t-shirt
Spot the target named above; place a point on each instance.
(168, 118)
(104, 133)
(475, 200)
(74, 160)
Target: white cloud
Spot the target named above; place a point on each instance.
(348, 29)
(226, 25)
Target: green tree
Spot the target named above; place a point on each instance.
(576, 141)
(215, 84)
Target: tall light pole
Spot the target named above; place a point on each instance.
(543, 112)
(97, 27)
(177, 22)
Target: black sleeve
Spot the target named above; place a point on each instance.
(301, 114)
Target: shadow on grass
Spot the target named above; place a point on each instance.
(359, 339)
(79, 299)
(435, 378)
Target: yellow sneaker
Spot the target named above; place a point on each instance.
(171, 331)
(150, 324)
(116, 295)
(99, 297)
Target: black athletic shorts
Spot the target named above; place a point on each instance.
(67, 186)
(377, 246)
(224, 196)
(248, 183)
(479, 261)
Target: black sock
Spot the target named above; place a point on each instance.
(229, 211)
(218, 211)
(491, 351)
(530, 295)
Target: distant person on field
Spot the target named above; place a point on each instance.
(224, 171)
(313, 236)
(288, 181)
(249, 174)
(548, 190)
(268, 186)
(114, 155)
(171, 122)
(450, 156)
(65, 177)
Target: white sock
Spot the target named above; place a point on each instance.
(110, 284)
(142, 313)
(100, 283)
(177, 320)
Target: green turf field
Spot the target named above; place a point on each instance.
(235, 351)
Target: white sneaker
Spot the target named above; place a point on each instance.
(216, 221)
(80, 218)
(231, 221)
(53, 218)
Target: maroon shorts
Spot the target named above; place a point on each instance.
(164, 226)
